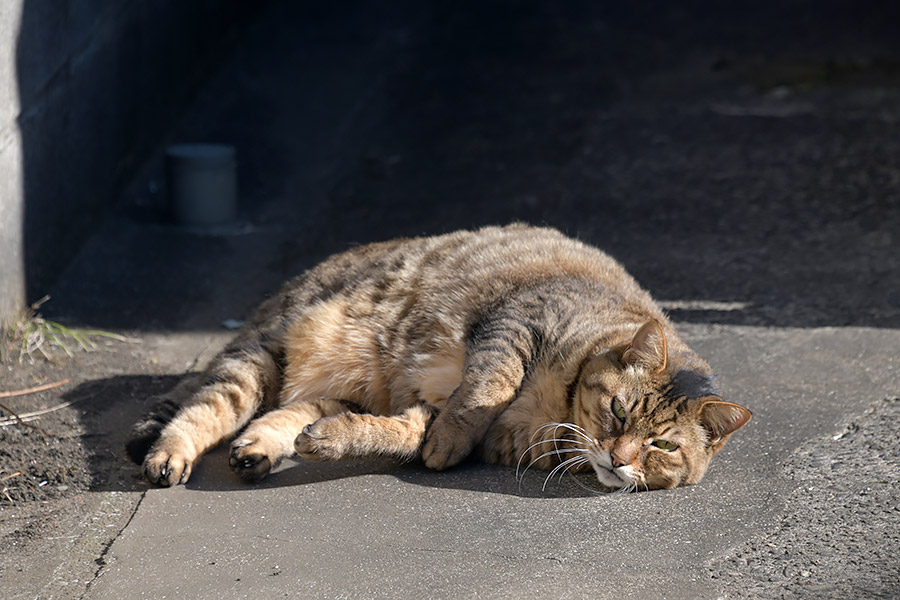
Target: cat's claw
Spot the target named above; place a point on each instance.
(166, 469)
(248, 461)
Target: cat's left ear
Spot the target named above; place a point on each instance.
(722, 418)
(648, 348)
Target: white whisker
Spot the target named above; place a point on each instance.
(580, 431)
(565, 465)
(543, 428)
(577, 430)
(567, 469)
(578, 441)
(559, 453)
(555, 442)
(555, 452)
(630, 488)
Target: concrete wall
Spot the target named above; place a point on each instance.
(87, 89)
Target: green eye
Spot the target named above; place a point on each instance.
(618, 410)
(666, 445)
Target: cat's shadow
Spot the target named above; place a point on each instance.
(110, 406)
(214, 475)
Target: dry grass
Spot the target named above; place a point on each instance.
(5, 490)
(32, 335)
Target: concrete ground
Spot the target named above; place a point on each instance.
(740, 159)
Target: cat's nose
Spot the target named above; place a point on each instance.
(618, 460)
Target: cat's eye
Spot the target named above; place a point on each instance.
(618, 409)
(666, 445)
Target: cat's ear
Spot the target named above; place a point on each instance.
(648, 348)
(722, 418)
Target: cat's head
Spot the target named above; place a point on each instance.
(656, 421)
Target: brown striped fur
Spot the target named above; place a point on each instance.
(514, 342)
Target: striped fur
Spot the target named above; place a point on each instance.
(514, 342)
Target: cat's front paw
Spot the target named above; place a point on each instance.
(306, 445)
(320, 441)
(167, 468)
(250, 460)
(446, 444)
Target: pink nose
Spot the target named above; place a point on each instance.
(618, 460)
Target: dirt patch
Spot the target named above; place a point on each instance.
(76, 447)
(38, 467)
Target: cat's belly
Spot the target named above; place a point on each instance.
(330, 355)
(435, 376)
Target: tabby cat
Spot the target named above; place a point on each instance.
(517, 343)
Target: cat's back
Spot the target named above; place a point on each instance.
(466, 264)
(510, 256)
(449, 278)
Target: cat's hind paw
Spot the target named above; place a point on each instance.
(249, 460)
(167, 468)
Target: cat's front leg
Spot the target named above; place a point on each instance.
(353, 435)
(495, 365)
(448, 442)
(456, 431)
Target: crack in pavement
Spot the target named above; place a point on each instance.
(101, 560)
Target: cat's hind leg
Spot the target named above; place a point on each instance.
(237, 382)
(270, 438)
(354, 435)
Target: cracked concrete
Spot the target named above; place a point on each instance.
(64, 538)
(73, 557)
(101, 560)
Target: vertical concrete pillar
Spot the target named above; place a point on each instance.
(12, 267)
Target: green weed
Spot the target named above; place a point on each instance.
(32, 334)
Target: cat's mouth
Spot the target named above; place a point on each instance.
(609, 477)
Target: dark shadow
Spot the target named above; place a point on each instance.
(730, 155)
(110, 406)
(100, 84)
(214, 475)
(706, 146)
